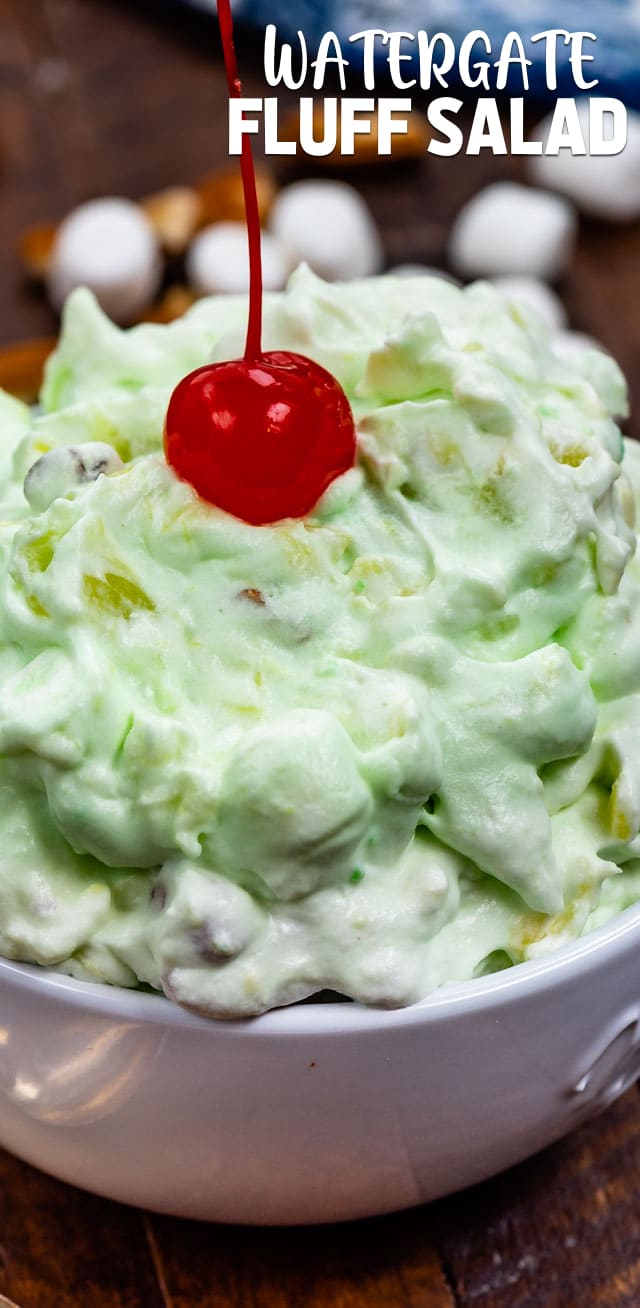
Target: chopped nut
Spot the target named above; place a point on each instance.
(254, 596)
(175, 215)
(412, 145)
(173, 304)
(34, 247)
(222, 197)
(22, 367)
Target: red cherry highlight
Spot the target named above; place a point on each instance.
(261, 438)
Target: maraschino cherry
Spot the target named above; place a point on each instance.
(263, 436)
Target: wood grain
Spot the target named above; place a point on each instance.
(62, 1248)
(560, 1231)
(95, 98)
(383, 1263)
(98, 96)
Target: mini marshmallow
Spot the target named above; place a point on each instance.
(110, 246)
(218, 260)
(508, 228)
(421, 270)
(61, 470)
(536, 295)
(606, 186)
(327, 225)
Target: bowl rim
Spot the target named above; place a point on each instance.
(568, 962)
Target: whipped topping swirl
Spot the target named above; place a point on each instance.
(390, 745)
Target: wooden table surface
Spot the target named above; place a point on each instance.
(102, 97)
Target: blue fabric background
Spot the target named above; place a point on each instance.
(616, 23)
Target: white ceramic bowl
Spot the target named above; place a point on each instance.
(318, 1112)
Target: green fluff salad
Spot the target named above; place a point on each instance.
(388, 746)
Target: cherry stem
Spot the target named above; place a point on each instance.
(253, 343)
